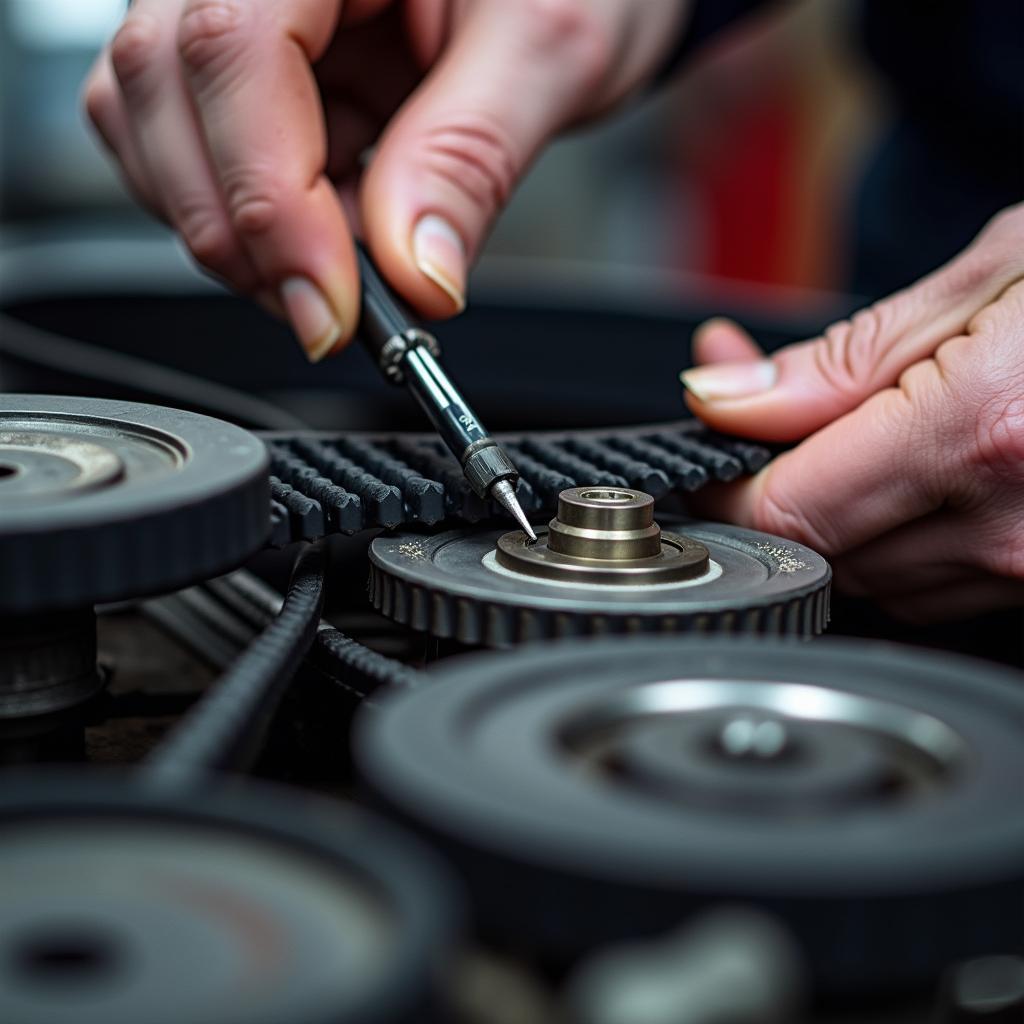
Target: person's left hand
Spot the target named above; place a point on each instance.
(910, 474)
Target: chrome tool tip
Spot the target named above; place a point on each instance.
(503, 493)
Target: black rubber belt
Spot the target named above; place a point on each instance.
(326, 484)
(219, 619)
(224, 729)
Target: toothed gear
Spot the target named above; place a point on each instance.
(104, 500)
(451, 586)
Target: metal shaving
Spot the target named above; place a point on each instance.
(411, 549)
(785, 558)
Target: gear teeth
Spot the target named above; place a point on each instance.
(492, 624)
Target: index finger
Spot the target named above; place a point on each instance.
(248, 68)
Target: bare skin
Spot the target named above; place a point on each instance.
(910, 417)
(242, 123)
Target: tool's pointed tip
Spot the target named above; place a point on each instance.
(503, 493)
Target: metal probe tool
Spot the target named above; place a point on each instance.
(407, 354)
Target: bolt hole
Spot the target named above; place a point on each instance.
(606, 496)
(6, 470)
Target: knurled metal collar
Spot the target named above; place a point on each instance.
(395, 348)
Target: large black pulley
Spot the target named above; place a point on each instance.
(595, 791)
(124, 903)
(104, 500)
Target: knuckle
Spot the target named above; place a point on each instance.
(999, 434)
(1000, 324)
(210, 33)
(849, 354)
(209, 240)
(572, 30)
(253, 206)
(995, 256)
(134, 48)
(97, 101)
(477, 157)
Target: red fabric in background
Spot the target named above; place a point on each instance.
(749, 196)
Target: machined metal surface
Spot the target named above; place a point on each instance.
(604, 535)
(212, 908)
(492, 588)
(47, 662)
(597, 792)
(36, 464)
(103, 500)
(484, 463)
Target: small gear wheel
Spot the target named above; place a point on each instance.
(603, 565)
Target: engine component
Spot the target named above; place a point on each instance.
(323, 484)
(103, 500)
(47, 663)
(602, 566)
(596, 792)
(100, 501)
(604, 535)
(729, 965)
(219, 908)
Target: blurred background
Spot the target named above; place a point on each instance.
(808, 158)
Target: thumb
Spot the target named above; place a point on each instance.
(806, 385)
(720, 340)
(450, 158)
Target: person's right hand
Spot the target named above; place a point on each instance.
(242, 124)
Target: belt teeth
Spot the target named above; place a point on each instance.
(332, 484)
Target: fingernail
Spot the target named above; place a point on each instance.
(724, 381)
(440, 254)
(311, 316)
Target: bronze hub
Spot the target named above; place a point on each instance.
(604, 535)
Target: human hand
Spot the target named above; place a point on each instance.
(911, 471)
(242, 124)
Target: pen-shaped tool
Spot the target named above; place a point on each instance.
(407, 354)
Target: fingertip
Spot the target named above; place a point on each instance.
(721, 340)
(731, 381)
(421, 255)
(322, 324)
(440, 255)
